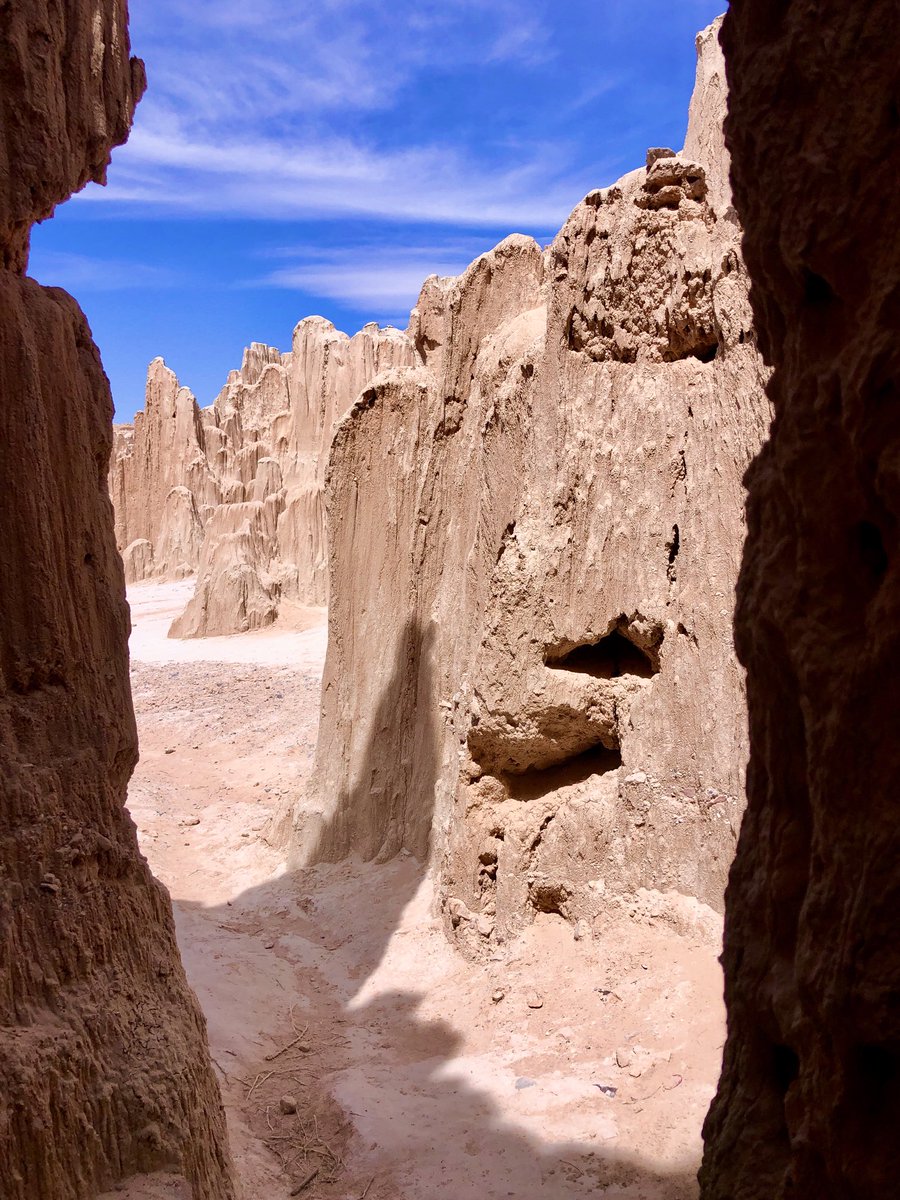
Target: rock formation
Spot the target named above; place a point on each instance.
(103, 1063)
(809, 1102)
(534, 536)
(234, 492)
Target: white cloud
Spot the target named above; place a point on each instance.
(81, 273)
(387, 278)
(268, 110)
(276, 56)
(334, 177)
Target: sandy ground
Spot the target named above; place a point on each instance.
(415, 1073)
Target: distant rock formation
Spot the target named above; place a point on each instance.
(234, 492)
(104, 1070)
(809, 1100)
(534, 537)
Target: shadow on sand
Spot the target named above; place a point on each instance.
(423, 1131)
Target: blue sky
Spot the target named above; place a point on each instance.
(325, 157)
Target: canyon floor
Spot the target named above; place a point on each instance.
(415, 1074)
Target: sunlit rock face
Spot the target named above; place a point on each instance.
(809, 1102)
(534, 536)
(234, 492)
(103, 1062)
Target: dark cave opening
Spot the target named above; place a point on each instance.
(541, 781)
(609, 658)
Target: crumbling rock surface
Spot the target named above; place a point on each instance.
(160, 480)
(68, 95)
(234, 492)
(534, 536)
(809, 1100)
(104, 1069)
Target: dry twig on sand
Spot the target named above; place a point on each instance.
(301, 1034)
(306, 1182)
(260, 1079)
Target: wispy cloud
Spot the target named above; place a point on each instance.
(276, 110)
(167, 169)
(375, 278)
(274, 56)
(79, 273)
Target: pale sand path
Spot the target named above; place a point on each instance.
(155, 605)
(411, 1081)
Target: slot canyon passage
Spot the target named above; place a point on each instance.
(447, 859)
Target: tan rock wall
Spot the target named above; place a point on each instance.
(103, 1062)
(537, 532)
(809, 1102)
(234, 493)
(160, 481)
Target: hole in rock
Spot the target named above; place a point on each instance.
(816, 290)
(541, 781)
(786, 1066)
(877, 1071)
(548, 898)
(425, 345)
(704, 348)
(673, 546)
(609, 658)
(871, 548)
(539, 836)
(706, 352)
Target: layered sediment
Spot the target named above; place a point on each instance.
(104, 1071)
(534, 537)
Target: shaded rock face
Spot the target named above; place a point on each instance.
(809, 1100)
(553, 497)
(234, 492)
(68, 95)
(103, 1062)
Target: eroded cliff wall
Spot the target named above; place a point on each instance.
(809, 1101)
(103, 1063)
(534, 537)
(234, 492)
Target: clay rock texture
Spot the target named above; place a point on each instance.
(234, 493)
(68, 95)
(534, 536)
(103, 1063)
(809, 1100)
